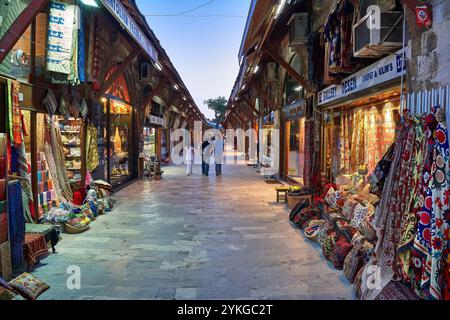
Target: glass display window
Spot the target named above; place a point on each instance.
(296, 149)
(120, 136)
(150, 141)
(357, 138)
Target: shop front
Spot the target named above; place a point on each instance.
(153, 135)
(360, 117)
(267, 140)
(119, 149)
(295, 142)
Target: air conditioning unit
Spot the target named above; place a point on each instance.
(270, 72)
(145, 71)
(373, 39)
(298, 29)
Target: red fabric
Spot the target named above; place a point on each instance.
(35, 248)
(77, 198)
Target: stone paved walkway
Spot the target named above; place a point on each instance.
(194, 238)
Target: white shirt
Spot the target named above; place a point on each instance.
(189, 154)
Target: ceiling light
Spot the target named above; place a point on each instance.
(91, 3)
(256, 69)
(280, 8)
(299, 88)
(175, 87)
(158, 66)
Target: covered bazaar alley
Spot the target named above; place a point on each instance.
(195, 238)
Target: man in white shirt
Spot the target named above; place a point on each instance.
(189, 155)
(218, 153)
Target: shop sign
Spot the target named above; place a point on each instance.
(295, 110)
(382, 71)
(156, 120)
(119, 107)
(121, 14)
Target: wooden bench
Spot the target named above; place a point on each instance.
(282, 192)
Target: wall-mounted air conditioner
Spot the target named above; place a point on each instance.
(270, 72)
(378, 34)
(298, 29)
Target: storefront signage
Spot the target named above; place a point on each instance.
(156, 120)
(119, 107)
(384, 70)
(122, 15)
(295, 110)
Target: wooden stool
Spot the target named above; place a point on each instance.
(282, 191)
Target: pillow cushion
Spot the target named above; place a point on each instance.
(340, 252)
(349, 207)
(359, 214)
(6, 294)
(330, 198)
(313, 229)
(353, 263)
(329, 244)
(302, 218)
(28, 286)
(298, 207)
(324, 232)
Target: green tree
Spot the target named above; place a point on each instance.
(219, 106)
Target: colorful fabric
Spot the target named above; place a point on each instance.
(92, 148)
(35, 248)
(340, 252)
(431, 245)
(352, 264)
(16, 222)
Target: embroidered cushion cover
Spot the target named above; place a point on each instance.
(359, 214)
(29, 286)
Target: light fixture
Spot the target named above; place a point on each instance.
(299, 88)
(175, 87)
(91, 3)
(280, 8)
(103, 99)
(184, 98)
(256, 69)
(244, 86)
(158, 66)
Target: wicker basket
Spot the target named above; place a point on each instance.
(293, 200)
(75, 230)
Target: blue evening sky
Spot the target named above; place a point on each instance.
(203, 49)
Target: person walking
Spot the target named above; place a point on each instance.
(189, 154)
(205, 158)
(218, 153)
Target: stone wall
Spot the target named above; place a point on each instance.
(430, 49)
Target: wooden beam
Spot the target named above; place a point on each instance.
(300, 79)
(156, 91)
(236, 116)
(250, 104)
(120, 69)
(19, 26)
(263, 95)
(248, 113)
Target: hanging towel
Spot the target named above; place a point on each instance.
(81, 47)
(64, 107)
(50, 103)
(16, 222)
